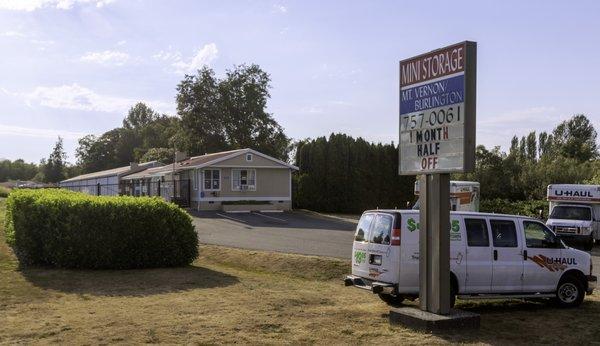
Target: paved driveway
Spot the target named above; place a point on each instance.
(292, 232)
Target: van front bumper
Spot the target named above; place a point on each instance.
(373, 286)
(592, 281)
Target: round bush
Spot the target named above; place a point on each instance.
(73, 230)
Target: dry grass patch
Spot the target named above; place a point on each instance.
(247, 297)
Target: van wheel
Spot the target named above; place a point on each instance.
(453, 293)
(569, 293)
(391, 300)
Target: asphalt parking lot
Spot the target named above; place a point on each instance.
(291, 232)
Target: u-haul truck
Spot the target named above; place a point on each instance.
(575, 212)
(464, 195)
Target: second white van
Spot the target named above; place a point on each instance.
(491, 256)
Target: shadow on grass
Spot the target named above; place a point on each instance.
(529, 322)
(135, 282)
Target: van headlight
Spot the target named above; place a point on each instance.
(585, 230)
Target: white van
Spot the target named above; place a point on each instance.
(464, 195)
(575, 213)
(491, 256)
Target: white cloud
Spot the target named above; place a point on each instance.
(76, 97)
(10, 130)
(168, 55)
(107, 57)
(280, 8)
(204, 56)
(121, 43)
(32, 5)
(12, 33)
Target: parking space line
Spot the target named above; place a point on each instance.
(271, 217)
(232, 218)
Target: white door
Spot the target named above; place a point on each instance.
(360, 250)
(507, 256)
(382, 257)
(541, 273)
(479, 256)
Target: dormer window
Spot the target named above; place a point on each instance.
(249, 157)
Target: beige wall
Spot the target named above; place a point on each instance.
(270, 182)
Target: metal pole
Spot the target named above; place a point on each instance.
(434, 244)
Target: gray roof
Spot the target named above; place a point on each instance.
(111, 172)
(148, 173)
(202, 161)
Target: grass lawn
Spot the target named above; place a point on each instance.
(241, 296)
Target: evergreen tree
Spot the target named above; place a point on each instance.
(53, 169)
(531, 146)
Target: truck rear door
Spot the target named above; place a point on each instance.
(383, 255)
(360, 248)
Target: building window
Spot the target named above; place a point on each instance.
(243, 180)
(212, 180)
(248, 157)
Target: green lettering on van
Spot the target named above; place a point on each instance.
(412, 225)
(360, 257)
(455, 226)
(455, 230)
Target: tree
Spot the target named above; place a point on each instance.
(142, 130)
(229, 113)
(53, 168)
(202, 124)
(139, 116)
(543, 143)
(17, 170)
(576, 138)
(531, 146)
(163, 155)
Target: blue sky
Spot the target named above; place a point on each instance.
(74, 67)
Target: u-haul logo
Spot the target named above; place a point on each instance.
(569, 193)
(553, 264)
(572, 195)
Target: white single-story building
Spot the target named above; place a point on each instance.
(106, 183)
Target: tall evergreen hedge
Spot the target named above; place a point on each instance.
(343, 174)
(73, 230)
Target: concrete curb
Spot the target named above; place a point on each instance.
(324, 216)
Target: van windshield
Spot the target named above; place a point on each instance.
(566, 212)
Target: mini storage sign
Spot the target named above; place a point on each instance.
(437, 111)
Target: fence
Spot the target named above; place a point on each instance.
(177, 191)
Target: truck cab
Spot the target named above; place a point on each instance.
(575, 213)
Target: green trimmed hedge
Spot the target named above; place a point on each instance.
(4, 192)
(505, 206)
(67, 229)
